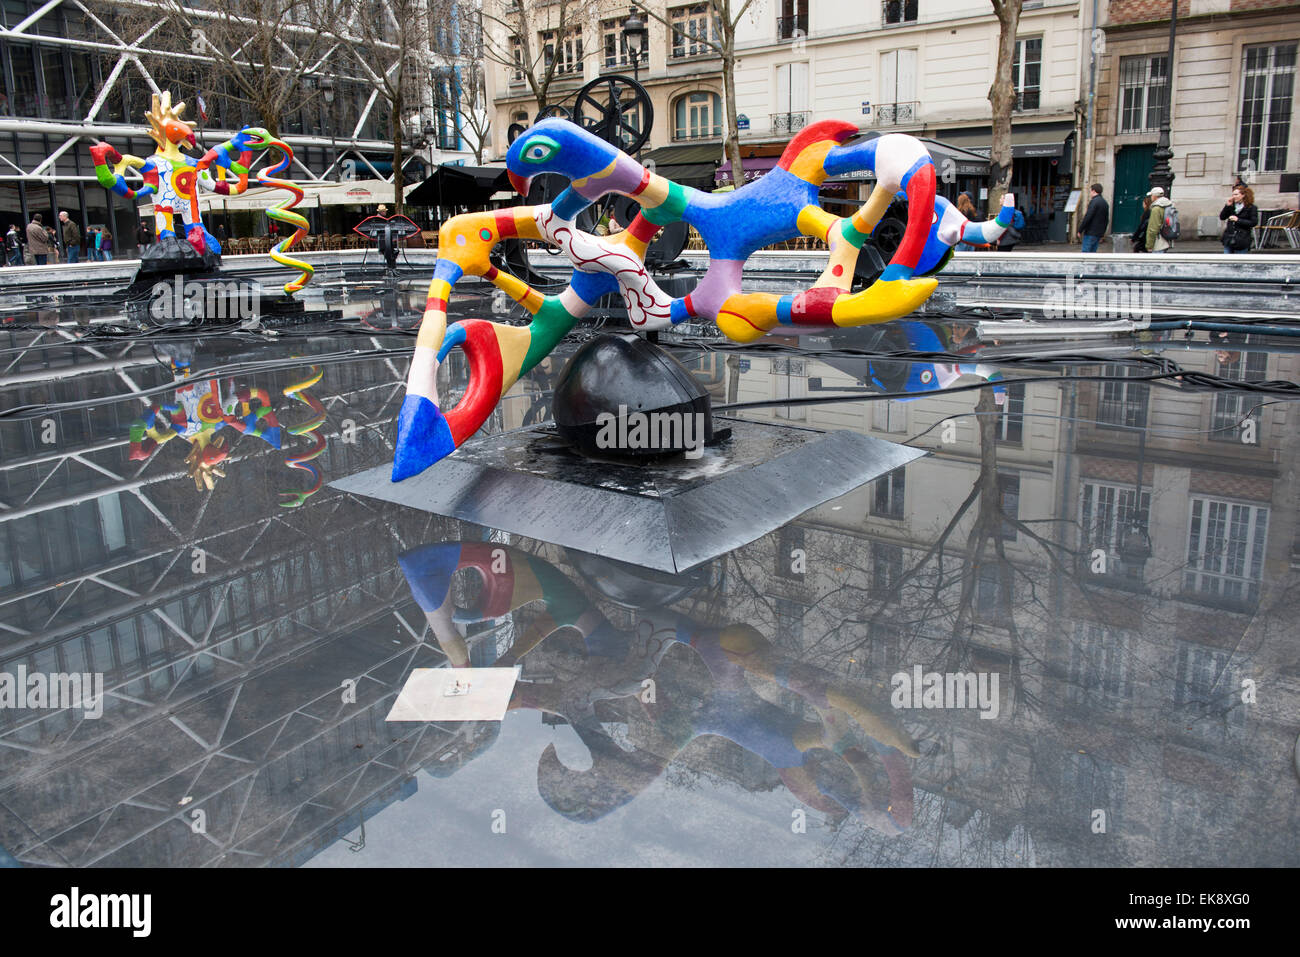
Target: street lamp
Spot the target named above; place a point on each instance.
(1162, 174)
(634, 40)
(326, 87)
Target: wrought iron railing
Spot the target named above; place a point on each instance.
(896, 114)
(790, 122)
(787, 28)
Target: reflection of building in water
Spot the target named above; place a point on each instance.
(225, 683)
(1122, 695)
(223, 625)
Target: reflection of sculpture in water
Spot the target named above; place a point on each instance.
(200, 411)
(731, 687)
(782, 205)
(304, 460)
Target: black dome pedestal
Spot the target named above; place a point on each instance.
(622, 397)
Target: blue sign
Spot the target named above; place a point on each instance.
(744, 365)
(866, 107)
(742, 122)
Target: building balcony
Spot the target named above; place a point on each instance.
(784, 123)
(787, 28)
(898, 114)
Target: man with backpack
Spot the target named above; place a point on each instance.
(1163, 227)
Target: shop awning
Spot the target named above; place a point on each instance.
(965, 162)
(363, 192)
(1026, 141)
(690, 165)
(360, 192)
(754, 167)
(460, 186)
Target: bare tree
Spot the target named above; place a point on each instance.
(510, 38)
(253, 52)
(470, 98)
(391, 44)
(1002, 97)
(725, 17)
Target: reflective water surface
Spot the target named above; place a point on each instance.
(1118, 553)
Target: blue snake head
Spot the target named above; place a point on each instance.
(556, 146)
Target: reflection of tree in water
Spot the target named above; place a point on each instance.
(1094, 674)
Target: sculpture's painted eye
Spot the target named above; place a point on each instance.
(540, 149)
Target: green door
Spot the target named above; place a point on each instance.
(1132, 167)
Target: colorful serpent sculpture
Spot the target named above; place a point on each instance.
(173, 179)
(779, 206)
(604, 664)
(302, 460)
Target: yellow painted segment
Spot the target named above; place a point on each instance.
(526, 224)
(655, 192)
(433, 327)
(747, 317)
(808, 164)
(513, 341)
(815, 222)
(882, 301)
(844, 255)
(527, 587)
(606, 172)
(865, 219)
(513, 286)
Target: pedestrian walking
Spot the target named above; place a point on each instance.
(1011, 238)
(71, 237)
(966, 206)
(13, 246)
(1162, 224)
(97, 250)
(106, 246)
(38, 240)
(1241, 217)
(1096, 220)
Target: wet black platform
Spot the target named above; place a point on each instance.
(670, 515)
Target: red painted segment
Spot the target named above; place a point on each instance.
(920, 214)
(642, 229)
(484, 391)
(836, 130)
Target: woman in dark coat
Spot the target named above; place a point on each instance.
(1241, 217)
(1140, 234)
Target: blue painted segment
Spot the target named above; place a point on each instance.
(447, 271)
(591, 286)
(677, 311)
(423, 437)
(923, 161)
(429, 570)
(785, 310)
(852, 158)
(735, 225)
(455, 337)
(569, 204)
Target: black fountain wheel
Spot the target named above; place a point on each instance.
(617, 109)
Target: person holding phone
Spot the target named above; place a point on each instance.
(1241, 217)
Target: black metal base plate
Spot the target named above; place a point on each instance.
(669, 515)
